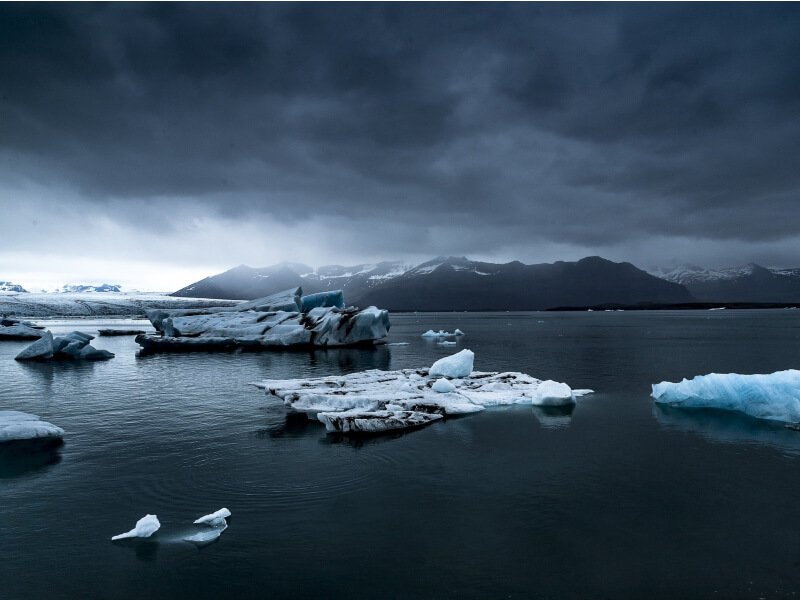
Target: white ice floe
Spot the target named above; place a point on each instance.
(215, 519)
(144, 528)
(553, 393)
(214, 523)
(282, 320)
(457, 365)
(441, 333)
(372, 401)
(20, 426)
(447, 343)
(774, 396)
(72, 346)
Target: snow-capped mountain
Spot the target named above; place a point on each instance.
(453, 283)
(8, 287)
(746, 283)
(246, 283)
(82, 289)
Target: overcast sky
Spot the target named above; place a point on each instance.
(152, 145)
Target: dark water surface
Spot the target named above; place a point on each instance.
(622, 501)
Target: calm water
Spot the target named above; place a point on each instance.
(622, 501)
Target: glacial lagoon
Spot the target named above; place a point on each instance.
(617, 498)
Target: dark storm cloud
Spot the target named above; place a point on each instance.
(594, 126)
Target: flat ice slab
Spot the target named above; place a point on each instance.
(144, 528)
(19, 426)
(774, 396)
(373, 401)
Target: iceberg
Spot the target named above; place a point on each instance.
(72, 346)
(457, 365)
(287, 319)
(14, 329)
(144, 528)
(773, 396)
(19, 426)
(375, 401)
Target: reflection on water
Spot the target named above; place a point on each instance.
(25, 457)
(728, 427)
(554, 417)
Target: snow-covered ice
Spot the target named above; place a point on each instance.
(98, 304)
(457, 365)
(443, 386)
(144, 528)
(375, 400)
(19, 426)
(773, 396)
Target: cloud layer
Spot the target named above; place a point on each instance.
(202, 136)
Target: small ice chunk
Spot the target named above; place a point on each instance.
(443, 386)
(215, 519)
(145, 527)
(553, 393)
(446, 343)
(441, 333)
(457, 365)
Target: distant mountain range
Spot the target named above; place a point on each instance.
(82, 289)
(453, 283)
(9, 287)
(748, 283)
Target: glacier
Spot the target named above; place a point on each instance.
(286, 319)
(72, 346)
(18, 426)
(773, 396)
(375, 401)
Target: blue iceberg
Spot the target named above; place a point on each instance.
(775, 396)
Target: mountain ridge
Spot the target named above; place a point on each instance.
(453, 283)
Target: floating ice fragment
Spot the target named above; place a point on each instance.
(145, 527)
(215, 519)
(774, 396)
(441, 333)
(457, 365)
(553, 393)
(19, 426)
